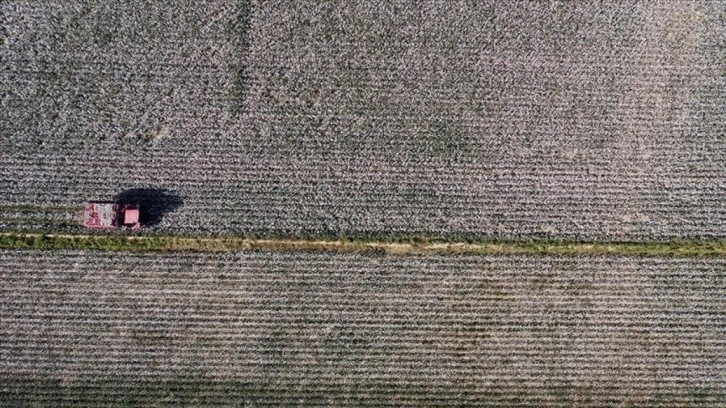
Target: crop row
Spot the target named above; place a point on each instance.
(426, 328)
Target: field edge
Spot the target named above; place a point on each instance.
(181, 243)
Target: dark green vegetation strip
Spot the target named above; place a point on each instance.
(11, 240)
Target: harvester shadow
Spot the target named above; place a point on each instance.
(154, 203)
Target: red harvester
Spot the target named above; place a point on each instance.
(111, 215)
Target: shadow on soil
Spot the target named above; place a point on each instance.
(153, 203)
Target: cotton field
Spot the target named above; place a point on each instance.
(367, 120)
(312, 329)
(575, 121)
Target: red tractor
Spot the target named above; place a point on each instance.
(111, 215)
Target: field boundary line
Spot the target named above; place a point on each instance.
(174, 243)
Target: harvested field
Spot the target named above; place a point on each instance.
(560, 120)
(263, 328)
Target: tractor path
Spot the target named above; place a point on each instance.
(171, 243)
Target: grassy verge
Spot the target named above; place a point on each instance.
(19, 240)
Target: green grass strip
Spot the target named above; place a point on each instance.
(171, 243)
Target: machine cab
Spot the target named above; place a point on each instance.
(109, 215)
